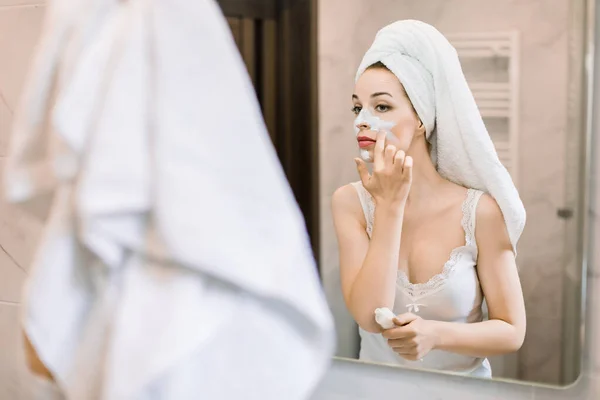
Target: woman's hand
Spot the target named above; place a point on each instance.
(412, 338)
(392, 174)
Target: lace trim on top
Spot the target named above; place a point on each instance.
(418, 290)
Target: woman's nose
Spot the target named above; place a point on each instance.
(363, 126)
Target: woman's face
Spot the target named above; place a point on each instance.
(382, 95)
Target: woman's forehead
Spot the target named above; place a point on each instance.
(376, 80)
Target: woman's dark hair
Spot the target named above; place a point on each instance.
(378, 64)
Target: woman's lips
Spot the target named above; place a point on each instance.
(364, 142)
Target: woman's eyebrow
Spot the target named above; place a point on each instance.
(377, 94)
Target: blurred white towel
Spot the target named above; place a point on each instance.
(175, 262)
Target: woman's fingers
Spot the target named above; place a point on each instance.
(408, 167)
(399, 160)
(378, 156)
(405, 344)
(389, 153)
(363, 172)
(403, 165)
(405, 319)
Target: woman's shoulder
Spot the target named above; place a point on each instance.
(346, 196)
(491, 229)
(487, 208)
(346, 200)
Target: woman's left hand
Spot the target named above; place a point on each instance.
(412, 338)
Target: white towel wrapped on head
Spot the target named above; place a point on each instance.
(429, 69)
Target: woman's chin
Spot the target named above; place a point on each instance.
(366, 155)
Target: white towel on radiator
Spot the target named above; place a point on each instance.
(429, 69)
(174, 262)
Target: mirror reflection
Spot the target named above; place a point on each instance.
(440, 124)
(480, 113)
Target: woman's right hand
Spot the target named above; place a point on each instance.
(392, 174)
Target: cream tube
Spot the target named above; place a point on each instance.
(385, 318)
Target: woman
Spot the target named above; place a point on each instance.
(433, 230)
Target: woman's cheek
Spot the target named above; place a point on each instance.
(402, 136)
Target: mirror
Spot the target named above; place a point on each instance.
(525, 63)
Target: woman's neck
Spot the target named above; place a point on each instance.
(427, 183)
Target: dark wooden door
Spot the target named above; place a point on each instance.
(277, 39)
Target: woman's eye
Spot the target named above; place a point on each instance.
(356, 110)
(382, 108)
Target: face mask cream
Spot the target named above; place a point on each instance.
(376, 124)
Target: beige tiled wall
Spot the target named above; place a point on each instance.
(20, 23)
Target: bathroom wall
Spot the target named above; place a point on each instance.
(343, 39)
(20, 24)
(547, 39)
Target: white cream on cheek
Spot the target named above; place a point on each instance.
(376, 124)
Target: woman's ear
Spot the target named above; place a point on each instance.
(421, 128)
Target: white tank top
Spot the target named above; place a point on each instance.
(453, 295)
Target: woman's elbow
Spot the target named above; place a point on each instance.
(517, 339)
(371, 327)
(362, 314)
(365, 320)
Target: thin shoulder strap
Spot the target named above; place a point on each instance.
(470, 215)
(366, 203)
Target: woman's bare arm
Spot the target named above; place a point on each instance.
(504, 332)
(368, 269)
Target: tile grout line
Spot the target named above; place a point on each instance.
(3, 99)
(13, 6)
(13, 260)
